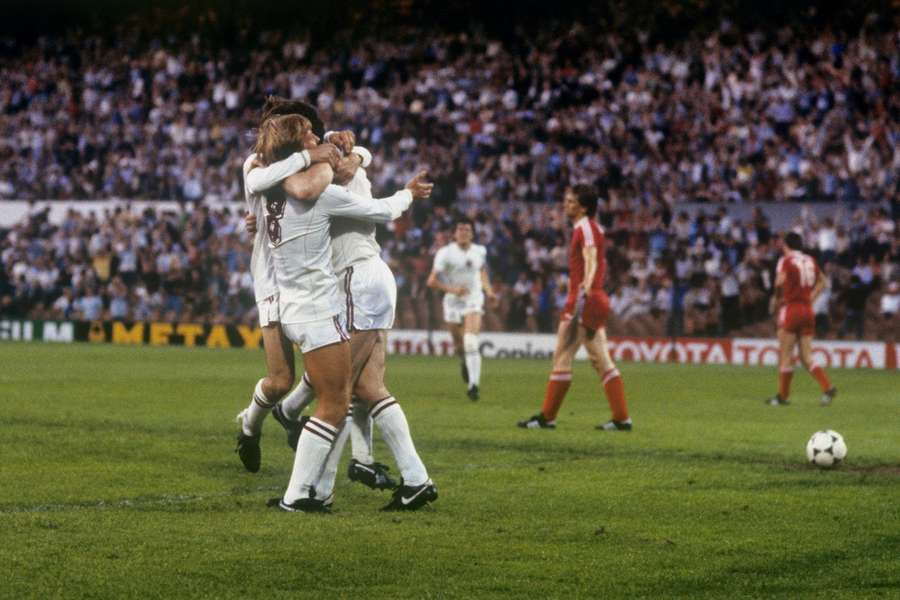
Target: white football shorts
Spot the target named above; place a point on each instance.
(316, 334)
(457, 307)
(268, 310)
(368, 293)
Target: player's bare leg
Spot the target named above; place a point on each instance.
(417, 488)
(328, 368)
(595, 343)
(787, 341)
(363, 468)
(456, 333)
(288, 412)
(816, 370)
(471, 329)
(568, 340)
(269, 390)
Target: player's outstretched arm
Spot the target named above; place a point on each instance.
(339, 202)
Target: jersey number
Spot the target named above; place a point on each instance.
(275, 202)
(807, 270)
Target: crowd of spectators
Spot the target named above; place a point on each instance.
(734, 115)
(668, 274)
(502, 124)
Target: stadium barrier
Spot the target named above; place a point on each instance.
(721, 351)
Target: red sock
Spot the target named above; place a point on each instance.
(819, 373)
(556, 392)
(784, 383)
(615, 394)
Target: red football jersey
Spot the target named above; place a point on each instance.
(800, 275)
(587, 234)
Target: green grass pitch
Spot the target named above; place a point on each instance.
(118, 480)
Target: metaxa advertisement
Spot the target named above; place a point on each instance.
(725, 351)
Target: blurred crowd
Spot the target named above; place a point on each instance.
(668, 273)
(730, 116)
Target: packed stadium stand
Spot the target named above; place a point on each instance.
(694, 143)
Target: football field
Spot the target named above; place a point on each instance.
(118, 480)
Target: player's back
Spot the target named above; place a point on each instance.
(800, 273)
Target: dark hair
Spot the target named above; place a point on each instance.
(793, 240)
(276, 105)
(464, 221)
(587, 197)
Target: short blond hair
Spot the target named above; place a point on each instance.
(279, 137)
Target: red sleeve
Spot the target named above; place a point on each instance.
(577, 239)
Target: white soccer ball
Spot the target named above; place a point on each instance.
(826, 448)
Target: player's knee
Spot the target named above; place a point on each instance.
(470, 342)
(370, 393)
(333, 406)
(280, 384)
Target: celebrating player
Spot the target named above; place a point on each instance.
(460, 271)
(310, 309)
(369, 295)
(798, 281)
(583, 321)
(363, 468)
(278, 351)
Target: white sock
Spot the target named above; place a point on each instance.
(325, 485)
(312, 450)
(391, 420)
(299, 398)
(473, 358)
(252, 418)
(361, 432)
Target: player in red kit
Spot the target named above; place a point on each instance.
(583, 321)
(798, 281)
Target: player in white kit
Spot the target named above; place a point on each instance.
(460, 271)
(278, 351)
(309, 300)
(369, 295)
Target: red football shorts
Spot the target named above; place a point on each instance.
(798, 319)
(593, 314)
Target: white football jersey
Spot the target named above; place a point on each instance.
(261, 268)
(300, 239)
(458, 267)
(352, 240)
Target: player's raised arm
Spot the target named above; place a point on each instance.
(259, 179)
